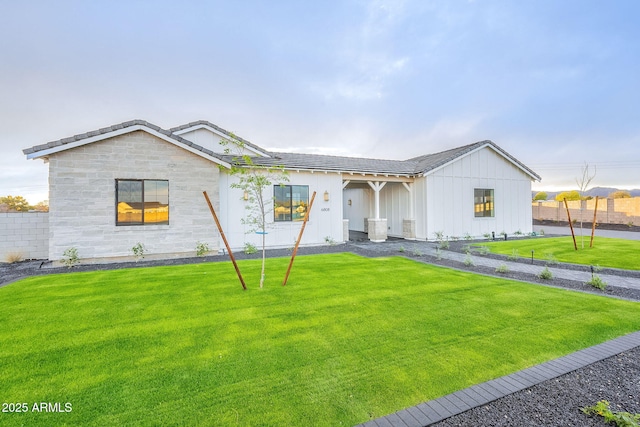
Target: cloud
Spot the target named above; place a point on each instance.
(366, 58)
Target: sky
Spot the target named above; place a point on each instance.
(554, 83)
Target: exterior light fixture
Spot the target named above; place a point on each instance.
(326, 196)
(349, 202)
(246, 195)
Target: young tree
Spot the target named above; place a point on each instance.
(569, 195)
(255, 181)
(583, 183)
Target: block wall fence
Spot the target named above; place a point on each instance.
(610, 211)
(25, 234)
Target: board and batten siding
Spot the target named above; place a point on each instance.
(445, 197)
(82, 198)
(325, 218)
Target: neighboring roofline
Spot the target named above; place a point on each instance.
(40, 151)
(203, 124)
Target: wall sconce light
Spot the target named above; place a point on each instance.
(246, 195)
(349, 202)
(326, 196)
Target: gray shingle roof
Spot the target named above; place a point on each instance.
(411, 167)
(117, 127)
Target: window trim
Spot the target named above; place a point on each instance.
(142, 222)
(488, 197)
(291, 210)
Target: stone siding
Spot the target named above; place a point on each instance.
(610, 211)
(24, 234)
(82, 184)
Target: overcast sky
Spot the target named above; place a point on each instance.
(554, 83)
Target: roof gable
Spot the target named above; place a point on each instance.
(44, 150)
(431, 162)
(218, 131)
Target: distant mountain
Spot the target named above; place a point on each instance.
(593, 192)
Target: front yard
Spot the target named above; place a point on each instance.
(348, 339)
(606, 252)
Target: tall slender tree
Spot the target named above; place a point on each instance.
(255, 181)
(583, 182)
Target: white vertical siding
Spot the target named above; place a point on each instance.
(445, 197)
(325, 219)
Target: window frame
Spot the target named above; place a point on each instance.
(142, 222)
(487, 198)
(289, 217)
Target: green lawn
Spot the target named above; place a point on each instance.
(606, 252)
(349, 338)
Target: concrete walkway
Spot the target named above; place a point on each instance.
(429, 248)
(430, 412)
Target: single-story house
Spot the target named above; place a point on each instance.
(135, 182)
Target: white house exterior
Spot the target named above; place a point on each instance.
(138, 183)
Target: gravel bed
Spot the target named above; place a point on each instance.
(555, 402)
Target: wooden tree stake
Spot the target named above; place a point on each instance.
(593, 224)
(215, 217)
(295, 249)
(566, 205)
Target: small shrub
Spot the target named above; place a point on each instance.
(138, 251)
(502, 269)
(467, 236)
(401, 249)
(70, 257)
(454, 238)
(630, 224)
(546, 274)
(550, 259)
(466, 249)
(597, 282)
(250, 249)
(620, 419)
(13, 257)
(541, 232)
(202, 249)
(444, 244)
(329, 240)
(417, 252)
(515, 255)
(439, 236)
(483, 250)
(503, 234)
(468, 261)
(487, 236)
(438, 254)
(518, 233)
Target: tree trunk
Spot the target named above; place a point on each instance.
(263, 259)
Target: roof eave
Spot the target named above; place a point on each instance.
(118, 132)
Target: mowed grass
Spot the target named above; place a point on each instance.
(606, 252)
(348, 339)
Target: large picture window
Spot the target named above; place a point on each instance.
(483, 203)
(142, 201)
(290, 202)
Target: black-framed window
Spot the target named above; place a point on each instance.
(290, 202)
(142, 202)
(483, 203)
